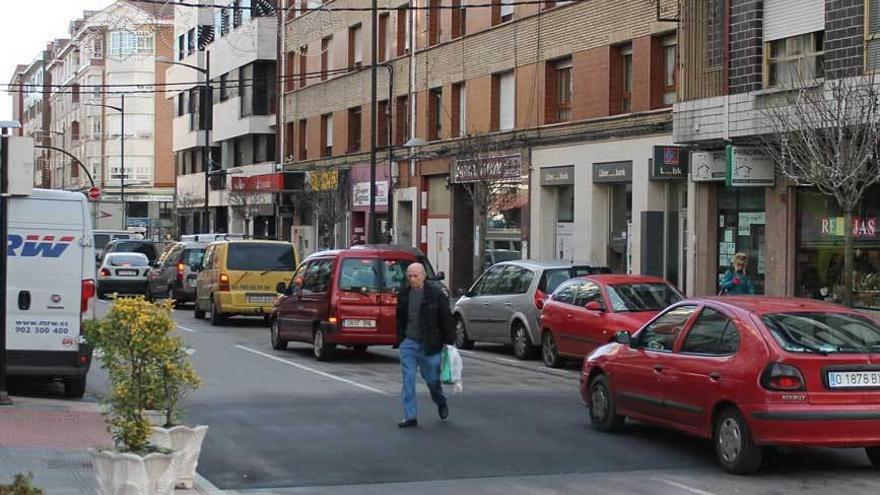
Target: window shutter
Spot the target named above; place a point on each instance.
(507, 101)
(329, 131)
(787, 18)
(873, 16)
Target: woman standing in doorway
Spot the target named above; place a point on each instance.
(735, 282)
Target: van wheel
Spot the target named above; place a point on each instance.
(873, 455)
(461, 336)
(549, 351)
(75, 388)
(603, 413)
(217, 318)
(522, 344)
(197, 311)
(278, 343)
(736, 451)
(322, 350)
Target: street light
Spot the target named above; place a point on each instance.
(121, 110)
(207, 102)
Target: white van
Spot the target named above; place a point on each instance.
(50, 287)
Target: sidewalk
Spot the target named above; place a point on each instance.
(49, 438)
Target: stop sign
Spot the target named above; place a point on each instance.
(94, 193)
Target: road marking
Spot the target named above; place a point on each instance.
(554, 370)
(466, 353)
(682, 486)
(185, 329)
(312, 370)
(505, 360)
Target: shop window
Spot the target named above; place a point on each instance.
(742, 229)
(820, 253)
(789, 61)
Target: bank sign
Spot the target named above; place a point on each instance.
(669, 163)
(747, 166)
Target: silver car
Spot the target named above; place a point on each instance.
(503, 305)
(123, 273)
(174, 276)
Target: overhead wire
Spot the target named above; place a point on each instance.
(306, 9)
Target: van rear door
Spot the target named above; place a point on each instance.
(47, 267)
(359, 287)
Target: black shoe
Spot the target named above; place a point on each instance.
(443, 410)
(408, 423)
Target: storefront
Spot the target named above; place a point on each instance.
(360, 203)
(560, 184)
(820, 250)
(616, 179)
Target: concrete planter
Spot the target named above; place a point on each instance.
(119, 473)
(156, 417)
(185, 441)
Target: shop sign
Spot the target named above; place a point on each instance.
(669, 163)
(557, 176)
(322, 181)
(259, 183)
(748, 167)
(501, 168)
(612, 172)
(360, 193)
(707, 166)
(862, 227)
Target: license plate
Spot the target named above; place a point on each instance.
(261, 299)
(359, 323)
(854, 379)
(192, 282)
(127, 273)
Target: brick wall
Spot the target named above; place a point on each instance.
(844, 37)
(746, 49)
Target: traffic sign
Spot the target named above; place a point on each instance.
(94, 193)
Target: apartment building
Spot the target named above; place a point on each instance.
(574, 98)
(224, 139)
(112, 53)
(743, 56)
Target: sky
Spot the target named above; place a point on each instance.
(26, 26)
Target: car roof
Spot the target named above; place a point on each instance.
(250, 241)
(189, 245)
(613, 279)
(141, 241)
(118, 254)
(761, 305)
(545, 264)
(368, 249)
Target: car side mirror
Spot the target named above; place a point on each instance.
(594, 306)
(623, 338)
(282, 288)
(441, 276)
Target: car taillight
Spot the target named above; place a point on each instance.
(87, 294)
(780, 376)
(224, 282)
(540, 297)
(105, 272)
(180, 270)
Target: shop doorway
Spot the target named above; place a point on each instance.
(438, 243)
(620, 222)
(742, 219)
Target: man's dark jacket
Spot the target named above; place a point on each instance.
(437, 326)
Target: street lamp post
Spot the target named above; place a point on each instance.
(121, 110)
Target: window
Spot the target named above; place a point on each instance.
(402, 31)
(206, 37)
(123, 43)
(327, 134)
(550, 3)
(661, 334)
(246, 90)
(303, 65)
(359, 275)
(824, 333)
(355, 55)
(459, 19)
(316, 276)
(191, 41)
(503, 12)
(459, 110)
(237, 14)
(382, 54)
(289, 141)
(224, 89)
(354, 130)
(503, 101)
(641, 297)
(289, 69)
(715, 35)
(567, 292)
(790, 60)
(433, 21)
(74, 131)
(435, 114)
(181, 46)
(626, 78)
(712, 333)
(589, 292)
(74, 93)
(511, 281)
(382, 132)
(559, 91)
(670, 71)
(491, 281)
(401, 134)
(301, 140)
(225, 21)
(325, 57)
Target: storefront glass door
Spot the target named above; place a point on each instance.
(742, 229)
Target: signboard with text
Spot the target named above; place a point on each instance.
(260, 183)
(611, 172)
(501, 168)
(708, 166)
(360, 194)
(669, 163)
(747, 166)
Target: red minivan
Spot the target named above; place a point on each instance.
(344, 297)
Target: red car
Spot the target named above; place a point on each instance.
(746, 372)
(586, 312)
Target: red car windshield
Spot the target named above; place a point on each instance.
(823, 333)
(642, 297)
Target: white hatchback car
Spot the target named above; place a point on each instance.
(124, 273)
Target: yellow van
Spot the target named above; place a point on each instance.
(241, 278)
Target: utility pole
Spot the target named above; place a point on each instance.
(4, 236)
(122, 161)
(374, 35)
(205, 112)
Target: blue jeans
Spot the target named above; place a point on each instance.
(412, 356)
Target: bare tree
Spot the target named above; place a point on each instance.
(325, 198)
(826, 135)
(185, 199)
(491, 181)
(245, 202)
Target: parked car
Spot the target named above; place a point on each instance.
(174, 277)
(242, 277)
(150, 249)
(586, 312)
(125, 273)
(345, 297)
(103, 237)
(747, 372)
(504, 303)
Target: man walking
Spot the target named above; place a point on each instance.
(424, 327)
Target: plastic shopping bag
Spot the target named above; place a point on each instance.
(450, 367)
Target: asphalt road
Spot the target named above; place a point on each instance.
(280, 422)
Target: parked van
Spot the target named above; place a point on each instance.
(345, 297)
(241, 278)
(50, 287)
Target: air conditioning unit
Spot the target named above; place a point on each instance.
(303, 237)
